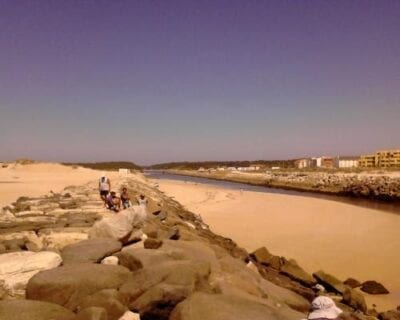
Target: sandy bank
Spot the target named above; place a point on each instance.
(339, 238)
(37, 179)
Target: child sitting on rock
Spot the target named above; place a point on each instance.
(113, 202)
(125, 199)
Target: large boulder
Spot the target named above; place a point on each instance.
(110, 300)
(354, 299)
(91, 250)
(373, 287)
(60, 239)
(263, 256)
(200, 306)
(92, 313)
(352, 283)
(168, 277)
(331, 283)
(159, 301)
(390, 315)
(118, 226)
(234, 277)
(294, 271)
(17, 268)
(171, 250)
(69, 285)
(33, 310)
(127, 259)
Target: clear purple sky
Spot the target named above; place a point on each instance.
(156, 81)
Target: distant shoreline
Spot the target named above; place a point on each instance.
(341, 187)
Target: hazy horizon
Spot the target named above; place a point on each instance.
(157, 81)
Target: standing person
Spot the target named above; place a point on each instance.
(104, 187)
(125, 199)
(142, 201)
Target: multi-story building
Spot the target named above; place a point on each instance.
(381, 159)
(388, 158)
(367, 161)
(347, 162)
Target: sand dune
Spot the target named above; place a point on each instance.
(39, 178)
(339, 238)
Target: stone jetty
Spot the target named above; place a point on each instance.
(65, 257)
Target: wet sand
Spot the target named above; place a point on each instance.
(345, 240)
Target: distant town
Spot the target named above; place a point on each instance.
(379, 159)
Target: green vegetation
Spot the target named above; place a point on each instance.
(214, 164)
(25, 161)
(106, 166)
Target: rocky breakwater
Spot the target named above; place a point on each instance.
(376, 186)
(164, 263)
(371, 186)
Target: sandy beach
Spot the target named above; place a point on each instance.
(40, 178)
(342, 239)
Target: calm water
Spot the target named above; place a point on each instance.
(382, 206)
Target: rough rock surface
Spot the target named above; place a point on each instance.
(91, 250)
(390, 315)
(354, 299)
(330, 282)
(69, 285)
(352, 283)
(151, 243)
(33, 310)
(92, 313)
(17, 268)
(294, 271)
(202, 306)
(109, 299)
(118, 226)
(373, 287)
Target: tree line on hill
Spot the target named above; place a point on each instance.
(214, 164)
(107, 166)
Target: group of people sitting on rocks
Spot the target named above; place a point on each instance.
(114, 202)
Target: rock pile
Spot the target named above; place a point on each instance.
(360, 185)
(161, 264)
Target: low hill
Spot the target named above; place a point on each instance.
(107, 166)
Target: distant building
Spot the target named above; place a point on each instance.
(221, 168)
(327, 162)
(387, 158)
(381, 159)
(201, 169)
(303, 163)
(347, 162)
(316, 162)
(322, 162)
(232, 168)
(123, 171)
(275, 168)
(367, 161)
